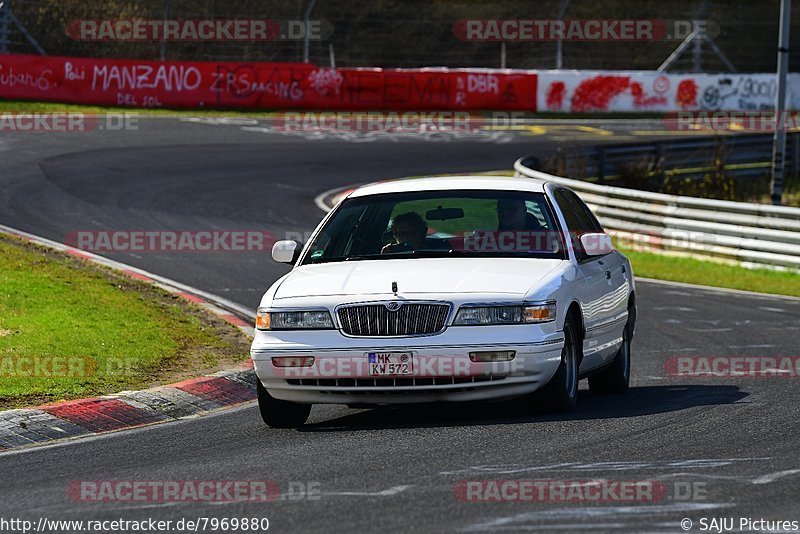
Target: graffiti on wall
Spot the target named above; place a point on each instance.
(261, 85)
(304, 86)
(581, 91)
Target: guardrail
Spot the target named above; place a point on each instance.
(753, 235)
(742, 156)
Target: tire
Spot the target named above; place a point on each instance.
(615, 378)
(279, 413)
(561, 393)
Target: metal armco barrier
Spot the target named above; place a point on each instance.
(745, 156)
(753, 235)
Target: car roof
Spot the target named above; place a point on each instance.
(454, 183)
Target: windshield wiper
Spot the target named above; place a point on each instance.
(357, 257)
(437, 254)
(536, 254)
(387, 256)
(332, 259)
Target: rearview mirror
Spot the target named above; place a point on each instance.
(287, 251)
(443, 214)
(596, 244)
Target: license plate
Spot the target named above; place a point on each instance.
(390, 363)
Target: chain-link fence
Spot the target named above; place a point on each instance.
(387, 33)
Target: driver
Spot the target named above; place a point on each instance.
(409, 231)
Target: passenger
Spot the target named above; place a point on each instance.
(529, 235)
(513, 215)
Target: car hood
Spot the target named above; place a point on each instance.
(417, 276)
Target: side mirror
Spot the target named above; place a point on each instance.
(596, 244)
(287, 251)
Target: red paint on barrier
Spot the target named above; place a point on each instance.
(686, 96)
(598, 93)
(152, 84)
(555, 95)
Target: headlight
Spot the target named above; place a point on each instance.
(505, 314)
(267, 319)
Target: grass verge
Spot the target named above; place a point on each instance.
(70, 329)
(711, 273)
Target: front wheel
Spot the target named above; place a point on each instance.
(561, 393)
(616, 377)
(279, 413)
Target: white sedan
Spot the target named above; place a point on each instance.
(446, 289)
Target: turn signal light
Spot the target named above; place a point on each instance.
(293, 361)
(540, 314)
(492, 356)
(263, 319)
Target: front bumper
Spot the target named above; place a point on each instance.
(441, 371)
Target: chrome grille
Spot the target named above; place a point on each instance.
(375, 320)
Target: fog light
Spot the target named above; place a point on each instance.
(293, 361)
(492, 356)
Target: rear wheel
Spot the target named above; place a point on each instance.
(561, 393)
(279, 413)
(616, 377)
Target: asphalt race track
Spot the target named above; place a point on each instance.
(733, 442)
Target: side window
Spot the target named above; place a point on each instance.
(591, 222)
(575, 224)
(535, 209)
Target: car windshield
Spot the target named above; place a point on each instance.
(439, 224)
